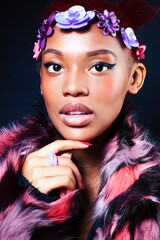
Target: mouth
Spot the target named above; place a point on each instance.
(76, 115)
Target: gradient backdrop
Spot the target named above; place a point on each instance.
(19, 78)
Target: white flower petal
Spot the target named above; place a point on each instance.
(62, 26)
(60, 18)
(91, 14)
(106, 13)
(76, 8)
(130, 33)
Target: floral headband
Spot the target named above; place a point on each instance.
(76, 17)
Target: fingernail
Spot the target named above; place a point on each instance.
(87, 143)
(69, 153)
(82, 185)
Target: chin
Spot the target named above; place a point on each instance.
(80, 134)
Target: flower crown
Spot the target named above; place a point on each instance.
(76, 17)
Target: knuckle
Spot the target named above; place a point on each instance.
(35, 172)
(39, 182)
(69, 171)
(57, 141)
(29, 156)
(29, 165)
(67, 180)
(29, 161)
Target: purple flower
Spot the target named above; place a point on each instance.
(75, 17)
(129, 37)
(45, 31)
(109, 23)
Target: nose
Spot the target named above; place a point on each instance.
(75, 85)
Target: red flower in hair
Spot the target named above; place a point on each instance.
(140, 52)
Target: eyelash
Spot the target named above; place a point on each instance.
(52, 64)
(102, 64)
(59, 67)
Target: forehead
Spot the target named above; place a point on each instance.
(79, 42)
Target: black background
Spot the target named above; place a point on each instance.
(19, 77)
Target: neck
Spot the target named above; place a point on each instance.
(89, 163)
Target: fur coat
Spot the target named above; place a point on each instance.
(128, 203)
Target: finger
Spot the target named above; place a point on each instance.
(69, 163)
(45, 162)
(47, 172)
(59, 146)
(48, 184)
(66, 154)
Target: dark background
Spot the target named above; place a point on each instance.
(19, 78)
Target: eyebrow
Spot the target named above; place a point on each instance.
(89, 54)
(54, 51)
(99, 52)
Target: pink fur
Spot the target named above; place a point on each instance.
(123, 234)
(114, 223)
(57, 211)
(122, 166)
(111, 148)
(148, 230)
(8, 137)
(121, 180)
(154, 199)
(4, 168)
(12, 160)
(99, 235)
(18, 223)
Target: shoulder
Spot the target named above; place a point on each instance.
(130, 191)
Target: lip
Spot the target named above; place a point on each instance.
(76, 114)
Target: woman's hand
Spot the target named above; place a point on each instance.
(45, 178)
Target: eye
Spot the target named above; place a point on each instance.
(101, 67)
(53, 67)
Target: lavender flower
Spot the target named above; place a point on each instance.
(45, 31)
(129, 37)
(75, 17)
(109, 23)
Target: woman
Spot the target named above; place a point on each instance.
(83, 169)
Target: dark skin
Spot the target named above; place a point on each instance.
(92, 69)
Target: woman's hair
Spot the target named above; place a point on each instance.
(132, 13)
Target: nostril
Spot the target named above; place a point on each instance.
(75, 90)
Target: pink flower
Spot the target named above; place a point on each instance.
(140, 52)
(36, 50)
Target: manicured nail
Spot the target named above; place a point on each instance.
(82, 185)
(87, 143)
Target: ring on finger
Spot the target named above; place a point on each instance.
(53, 159)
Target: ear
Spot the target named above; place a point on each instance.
(138, 74)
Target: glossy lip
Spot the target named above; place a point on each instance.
(76, 114)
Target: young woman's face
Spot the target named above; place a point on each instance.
(84, 79)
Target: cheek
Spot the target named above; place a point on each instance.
(49, 90)
(111, 90)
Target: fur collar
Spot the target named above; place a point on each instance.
(129, 187)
